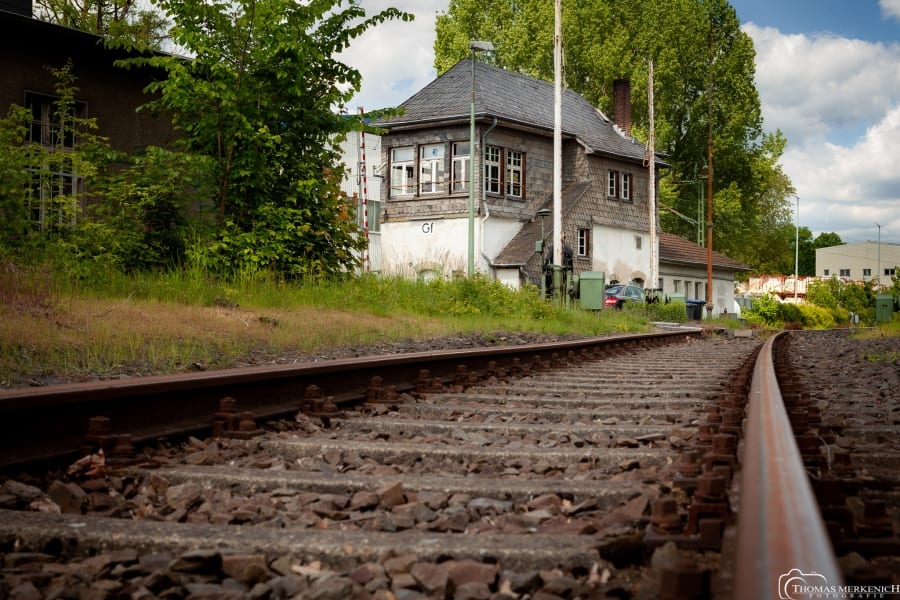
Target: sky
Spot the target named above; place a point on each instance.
(828, 76)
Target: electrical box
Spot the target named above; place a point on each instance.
(591, 285)
(539, 246)
(884, 308)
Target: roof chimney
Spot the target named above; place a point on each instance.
(622, 104)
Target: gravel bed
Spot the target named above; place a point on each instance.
(835, 369)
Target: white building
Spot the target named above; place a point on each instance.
(865, 261)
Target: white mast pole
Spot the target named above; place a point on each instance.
(557, 140)
(651, 187)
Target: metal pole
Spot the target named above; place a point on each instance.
(651, 185)
(471, 254)
(557, 146)
(474, 46)
(709, 180)
(878, 264)
(797, 250)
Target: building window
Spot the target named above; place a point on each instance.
(612, 184)
(460, 169)
(53, 190)
(827, 272)
(492, 182)
(626, 186)
(47, 126)
(676, 286)
(867, 272)
(515, 164)
(638, 242)
(584, 242)
(431, 168)
(845, 272)
(890, 271)
(368, 215)
(504, 172)
(403, 171)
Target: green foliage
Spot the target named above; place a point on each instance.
(127, 215)
(764, 311)
(15, 159)
(121, 20)
(672, 312)
(137, 219)
(30, 181)
(842, 299)
(259, 99)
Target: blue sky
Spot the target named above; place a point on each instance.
(828, 75)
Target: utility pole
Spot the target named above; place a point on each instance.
(878, 264)
(651, 186)
(709, 175)
(557, 146)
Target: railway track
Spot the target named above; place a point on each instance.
(613, 472)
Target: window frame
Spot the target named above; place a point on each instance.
(583, 242)
(493, 170)
(612, 183)
(459, 167)
(433, 168)
(407, 171)
(58, 178)
(515, 174)
(625, 189)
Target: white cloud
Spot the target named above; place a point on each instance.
(837, 101)
(890, 8)
(396, 58)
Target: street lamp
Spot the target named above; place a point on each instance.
(797, 250)
(474, 46)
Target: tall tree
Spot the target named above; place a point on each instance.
(118, 19)
(259, 98)
(703, 67)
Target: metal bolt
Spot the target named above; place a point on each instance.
(711, 486)
(665, 517)
(247, 423)
(688, 466)
(684, 581)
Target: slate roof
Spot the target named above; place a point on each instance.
(516, 100)
(676, 249)
(672, 248)
(521, 247)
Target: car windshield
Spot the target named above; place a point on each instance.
(614, 289)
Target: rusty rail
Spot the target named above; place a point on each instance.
(782, 540)
(50, 423)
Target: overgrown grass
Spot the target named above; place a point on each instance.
(889, 329)
(53, 328)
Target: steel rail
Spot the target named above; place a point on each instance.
(782, 541)
(49, 423)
